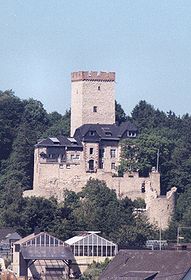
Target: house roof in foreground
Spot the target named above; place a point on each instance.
(146, 264)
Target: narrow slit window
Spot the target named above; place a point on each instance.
(94, 109)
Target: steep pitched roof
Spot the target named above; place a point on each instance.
(59, 141)
(171, 265)
(105, 131)
(127, 126)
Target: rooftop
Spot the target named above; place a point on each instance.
(133, 264)
(59, 141)
(104, 131)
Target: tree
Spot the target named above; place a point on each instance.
(37, 212)
(120, 115)
(135, 235)
(11, 202)
(141, 154)
(145, 116)
(94, 270)
(100, 208)
(60, 125)
(11, 109)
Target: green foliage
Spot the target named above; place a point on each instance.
(101, 210)
(171, 135)
(94, 270)
(129, 156)
(141, 155)
(95, 208)
(60, 125)
(120, 115)
(145, 116)
(11, 109)
(139, 203)
(134, 235)
(23, 122)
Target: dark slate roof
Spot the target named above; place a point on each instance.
(134, 264)
(47, 253)
(140, 275)
(127, 126)
(59, 141)
(104, 131)
(7, 232)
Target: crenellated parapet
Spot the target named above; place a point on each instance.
(93, 76)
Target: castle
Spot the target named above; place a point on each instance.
(93, 151)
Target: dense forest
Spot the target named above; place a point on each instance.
(96, 207)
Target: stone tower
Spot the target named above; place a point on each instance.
(93, 98)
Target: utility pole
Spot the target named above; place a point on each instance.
(158, 155)
(160, 237)
(178, 234)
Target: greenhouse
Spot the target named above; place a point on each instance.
(90, 244)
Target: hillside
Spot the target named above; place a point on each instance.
(23, 122)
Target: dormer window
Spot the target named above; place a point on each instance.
(92, 133)
(108, 133)
(131, 134)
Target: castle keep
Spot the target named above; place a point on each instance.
(93, 98)
(93, 151)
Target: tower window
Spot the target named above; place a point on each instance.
(143, 187)
(91, 151)
(94, 109)
(99, 88)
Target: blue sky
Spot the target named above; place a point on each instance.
(146, 42)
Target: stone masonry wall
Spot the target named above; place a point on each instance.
(92, 76)
(52, 179)
(160, 208)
